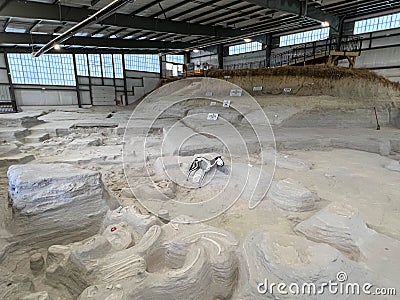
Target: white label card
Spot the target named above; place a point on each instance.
(227, 103)
(236, 93)
(212, 117)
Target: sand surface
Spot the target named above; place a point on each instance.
(345, 164)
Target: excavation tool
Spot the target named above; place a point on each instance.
(378, 127)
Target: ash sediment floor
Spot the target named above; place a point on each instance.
(87, 200)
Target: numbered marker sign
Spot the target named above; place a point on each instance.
(227, 77)
(213, 103)
(257, 89)
(236, 93)
(209, 94)
(212, 117)
(287, 90)
(227, 103)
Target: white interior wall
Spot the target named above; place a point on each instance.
(4, 83)
(140, 83)
(381, 54)
(3, 71)
(39, 95)
(246, 58)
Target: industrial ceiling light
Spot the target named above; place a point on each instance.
(196, 50)
(247, 40)
(325, 24)
(57, 47)
(97, 17)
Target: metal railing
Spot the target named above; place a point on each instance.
(305, 51)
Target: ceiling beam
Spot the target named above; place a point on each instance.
(191, 10)
(43, 11)
(116, 32)
(131, 33)
(144, 7)
(30, 29)
(99, 30)
(41, 39)
(296, 7)
(94, 2)
(82, 51)
(170, 8)
(6, 23)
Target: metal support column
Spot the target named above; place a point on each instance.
(78, 93)
(12, 91)
(125, 84)
(268, 50)
(220, 51)
(90, 79)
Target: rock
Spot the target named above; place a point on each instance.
(8, 149)
(93, 140)
(339, 225)
(284, 161)
(57, 275)
(4, 244)
(38, 296)
(126, 193)
(55, 203)
(19, 158)
(290, 195)
(163, 214)
(343, 227)
(163, 190)
(394, 117)
(14, 287)
(132, 217)
(269, 258)
(36, 263)
(384, 148)
(201, 258)
(394, 165)
(118, 236)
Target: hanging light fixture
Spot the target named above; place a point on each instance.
(325, 24)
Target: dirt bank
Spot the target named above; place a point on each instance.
(350, 84)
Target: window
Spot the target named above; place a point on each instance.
(48, 69)
(81, 65)
(174, 69)
(378, 23)
(304, 37)
(244, 48)
(178, 59)
(94, 65)
(142, 62)
(111, 65)
(107, 64)
(118, 69)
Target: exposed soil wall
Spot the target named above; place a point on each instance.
(352, 84)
